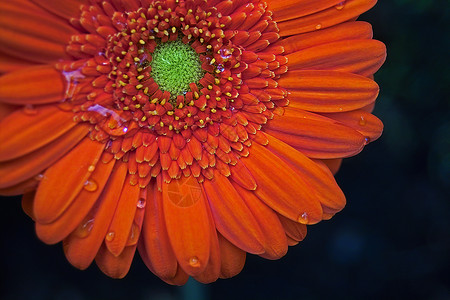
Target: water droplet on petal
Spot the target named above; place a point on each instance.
(125, 129)
(90, 185)
(303, 218)
(318, 26)
(220, 68)
(110, 236)
(84, 229)
(362, 121)
(39, 177)
(29, 110)
(134, 235)
(141, 203)
(340, 6)
(194, 262)
(366, 140)
(91, 168)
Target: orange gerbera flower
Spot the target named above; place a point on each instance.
(195, 131)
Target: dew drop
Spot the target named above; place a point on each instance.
(303, 218)
(90, 186)
(220, 68)
(29, 110)
(362, 121)
(134, 235)
(91, 168)
(194, 262)
(39, 177)
(225, 53)
(141, 203)
(366, 140)
(125, 129)
(340, 5)
(318, 26)
(84, 229)
(110, 236)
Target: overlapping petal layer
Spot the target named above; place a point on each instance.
(241, 161)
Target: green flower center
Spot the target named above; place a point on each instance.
(174, 66)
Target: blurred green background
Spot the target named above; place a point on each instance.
(392, 241)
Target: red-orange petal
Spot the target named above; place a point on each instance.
(115, 266)
(292, 9)
(10, 63)
(56, 190)
(66, 9)
(319, 181)
(345, 31)
(27, 204)
(294, 230)
(23, 168)
(232, 259)
(314, 135)
(363, 57)
(325, 18)
(273, 237)
(121, 223)
(212, 270)
(232, 217)
(20, 188)
(187, 221)
(32, 85)
(38, 36)
(328, 91)
(363, 122)
(71, 218)
(82, 245)
(281, 192)
(154, 239)
(23, 133)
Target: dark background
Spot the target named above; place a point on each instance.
(392, 241)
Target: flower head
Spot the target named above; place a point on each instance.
(194, 131)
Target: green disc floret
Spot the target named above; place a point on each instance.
(174, 66)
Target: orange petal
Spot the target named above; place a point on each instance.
(294, 230)
(18, 170)
(27, 204)
(328, 91)
(66, 9)
(10, 63)
(32, 85)
(71, 218)
(281, 192)
(20, 188)
(57, 190)
(363, 122)
(362, 57)
(319, 181)
(242, 176)
(160, 258)
(6, 109)
(325, 18)
(232, 217)
(314, 135)
(39, 36)
(274, 239)
(23, 133)
(179, 279)
(82, 245)
(232, 259)
(187, 222)
(115, 266)
(291, 9)
(212, 270)
(332, 164)
(122, 221)
(345, 31)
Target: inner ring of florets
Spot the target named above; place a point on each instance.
(197, 92)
